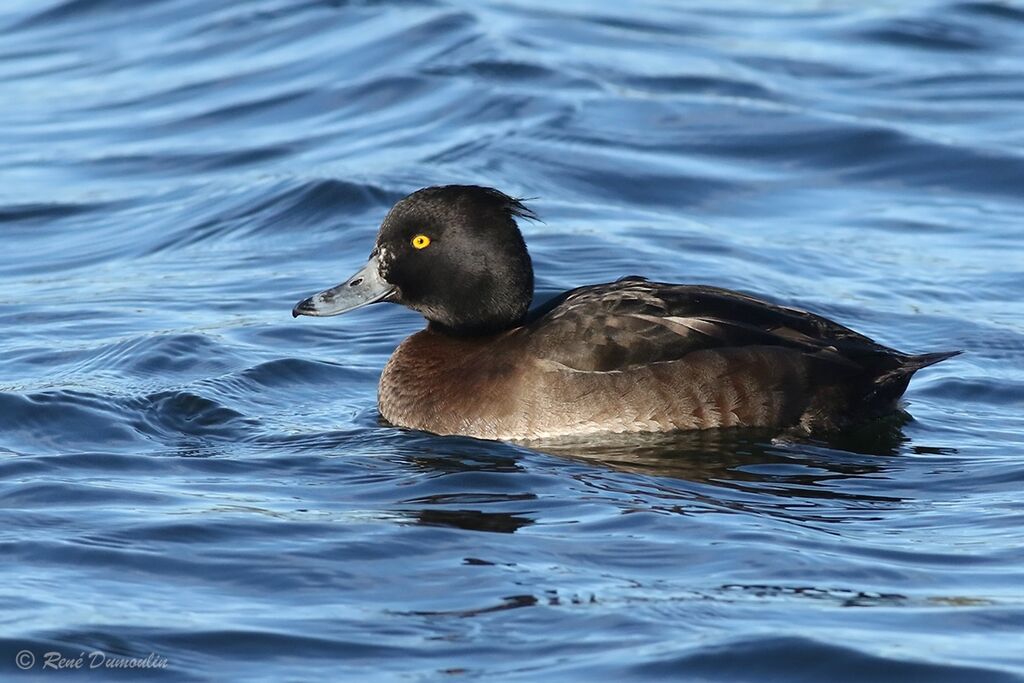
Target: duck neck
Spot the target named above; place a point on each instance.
(483, 309)
(482, 329)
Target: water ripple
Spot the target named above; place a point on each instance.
(185, 470)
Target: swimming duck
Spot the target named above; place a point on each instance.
(626, 356)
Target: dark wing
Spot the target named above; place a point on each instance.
(635, 322)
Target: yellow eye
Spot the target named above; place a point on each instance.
(420, 242)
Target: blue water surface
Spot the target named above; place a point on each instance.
(187, 472)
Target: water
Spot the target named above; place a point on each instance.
(187, 471)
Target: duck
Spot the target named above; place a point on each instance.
(629, 356)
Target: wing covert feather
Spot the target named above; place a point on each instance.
(634, 322)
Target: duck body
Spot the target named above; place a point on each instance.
(639, 356)
(626, 356)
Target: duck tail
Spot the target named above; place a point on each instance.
(888, 386)
(907, 365)
(912, 364)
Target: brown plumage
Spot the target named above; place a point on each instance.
(627, 356)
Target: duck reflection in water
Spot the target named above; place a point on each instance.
(686, 472)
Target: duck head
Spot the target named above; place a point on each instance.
(454, 253)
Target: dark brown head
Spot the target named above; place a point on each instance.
(454, 253)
